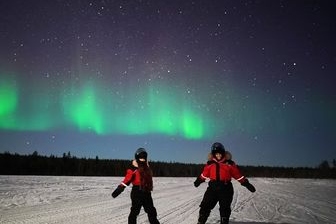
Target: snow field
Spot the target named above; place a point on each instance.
(87, 200)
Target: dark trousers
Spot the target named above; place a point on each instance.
(141, 198)
(216, 192)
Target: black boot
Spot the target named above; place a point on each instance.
(153, 220)
(224, 220)
(202, 218)
(131, 220)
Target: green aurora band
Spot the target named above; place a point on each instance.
(134, 108)
(94, 107)
(8, 99)
(136, 113)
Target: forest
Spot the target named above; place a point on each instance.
(68, 165)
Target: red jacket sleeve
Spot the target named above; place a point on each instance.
(206, 172)
(128, 177)
(236, 174)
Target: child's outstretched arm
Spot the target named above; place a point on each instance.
(118, 191)
(248, 185)
(198, 182)
(239, 177)
(204, 175)
(127, 180)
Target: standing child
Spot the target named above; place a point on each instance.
(140, 175)
(220, 189)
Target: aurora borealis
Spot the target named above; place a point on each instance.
(105, 77)
(86, 108)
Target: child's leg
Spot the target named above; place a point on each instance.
(208, 203)
(225, 200)
(136, 206)
(150, 209)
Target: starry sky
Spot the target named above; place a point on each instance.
(102, 78)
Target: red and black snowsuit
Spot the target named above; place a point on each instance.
(140, 195)
(220, 188)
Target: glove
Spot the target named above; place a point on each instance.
(117, 191)
(198, 182)
(249, 186)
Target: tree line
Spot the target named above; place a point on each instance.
(68, 165)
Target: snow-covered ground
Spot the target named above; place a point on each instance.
(87, 200)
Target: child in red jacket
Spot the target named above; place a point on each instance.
(220, 171)
(140, 175)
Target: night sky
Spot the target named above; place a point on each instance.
(102, 78)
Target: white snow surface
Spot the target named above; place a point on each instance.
(87, 200)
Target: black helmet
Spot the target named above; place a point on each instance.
(140, 153)
(217, 148)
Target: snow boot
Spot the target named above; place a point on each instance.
(224, 220)
(202, 219)
(153, 220)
